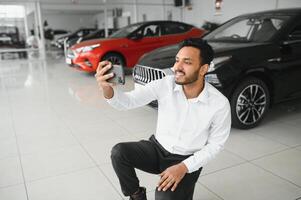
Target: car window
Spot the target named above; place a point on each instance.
(124, 32)
(55, 32)
(8, 30)
(174, 28)
(258, 29)
(152, 30)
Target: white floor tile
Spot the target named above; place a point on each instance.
(86, 184)
(99, 132)
(6, 128)
(63, 160)
(223, 160)
(249, 182)
(44, 143)
(101, 150)
(249, 145)
(139, 124)
(202, 193)
(286, 164)
(10, 172)
(13, 193)
(8, 148)
(279, 132)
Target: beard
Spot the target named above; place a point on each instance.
(186, 80)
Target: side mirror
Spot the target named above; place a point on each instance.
(136, 36)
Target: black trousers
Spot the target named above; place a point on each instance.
(151, 157)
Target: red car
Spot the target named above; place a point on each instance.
(127, 45)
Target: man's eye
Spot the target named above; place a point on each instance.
(188, 63)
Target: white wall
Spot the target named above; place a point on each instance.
(157, 10)
(70, 22)
(100, 19)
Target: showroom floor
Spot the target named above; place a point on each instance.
(56, 132)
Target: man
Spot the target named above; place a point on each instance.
(193, 124)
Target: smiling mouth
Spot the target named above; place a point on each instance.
(179, 74)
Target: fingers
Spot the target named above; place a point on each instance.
(174, 186)
(101, 76)
(168, 183)
(105, 77)
(103, 67)
(165, 182)
(162, 179)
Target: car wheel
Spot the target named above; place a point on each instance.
(249, 103)
(114, 58)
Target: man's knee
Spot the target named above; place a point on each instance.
(117, 151)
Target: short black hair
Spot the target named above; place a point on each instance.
(206, 51)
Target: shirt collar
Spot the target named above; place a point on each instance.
(203, 96)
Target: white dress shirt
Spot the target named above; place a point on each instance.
(198, 127)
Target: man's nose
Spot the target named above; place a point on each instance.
(178, 66)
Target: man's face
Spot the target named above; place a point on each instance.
(187, 67)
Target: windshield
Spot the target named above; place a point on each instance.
(253, 29)
(8, 30)
(124, 32)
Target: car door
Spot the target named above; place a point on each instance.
(148, 40)
(291, 62)
(151, 38)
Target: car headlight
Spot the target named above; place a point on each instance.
(90, 48)
(215, 63)
(213, 79)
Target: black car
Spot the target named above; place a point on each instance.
(257, 63)
(11, 41)
(75, 35)
(98, 34)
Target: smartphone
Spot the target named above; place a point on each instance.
(118, 77)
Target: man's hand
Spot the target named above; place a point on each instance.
(102, 78)
(172, 176)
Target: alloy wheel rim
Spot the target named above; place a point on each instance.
(115, 60)
(251, 104)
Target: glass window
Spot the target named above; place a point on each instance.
(248, 30)
(174, 28)
(152, 30)
(124, 32)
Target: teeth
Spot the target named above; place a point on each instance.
(179, 73)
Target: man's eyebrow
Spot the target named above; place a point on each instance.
(187, 58)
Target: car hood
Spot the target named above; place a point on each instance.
(164, 57)
(94, 41)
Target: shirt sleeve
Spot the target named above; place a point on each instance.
(140, 96)
(219, 133)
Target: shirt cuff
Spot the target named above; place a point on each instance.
(190, 164)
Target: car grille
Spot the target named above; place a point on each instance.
(144, 74)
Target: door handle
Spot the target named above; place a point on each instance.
(274, 59)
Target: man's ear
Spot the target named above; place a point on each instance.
(204, 69)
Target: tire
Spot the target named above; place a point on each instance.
(250, 102)
(114, 58)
